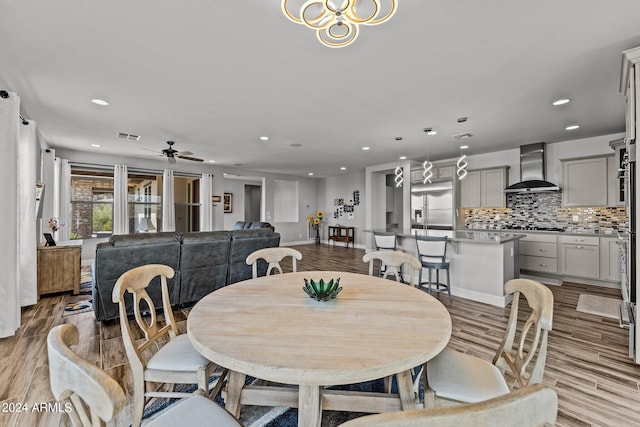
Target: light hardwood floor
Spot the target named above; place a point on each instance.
(587, 362)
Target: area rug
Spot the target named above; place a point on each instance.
(77, 304)
(600, 306)
(85, 279)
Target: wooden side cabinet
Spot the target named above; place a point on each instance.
(58, 269)
(342, 234)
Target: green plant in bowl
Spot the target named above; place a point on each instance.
(321, 290)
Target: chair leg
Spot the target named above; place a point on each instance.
(138, 403)
(448, 284)
(438, 281)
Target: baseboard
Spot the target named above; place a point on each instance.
(323, 242)
(482, 297)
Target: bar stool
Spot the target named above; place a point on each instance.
(432, 253)
(385, 241)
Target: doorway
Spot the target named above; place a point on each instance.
(252, 202)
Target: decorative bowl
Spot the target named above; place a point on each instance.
(322, 291)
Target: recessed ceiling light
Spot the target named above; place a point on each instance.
(464, 147)
(212, 161)
(572, 127)
(561, 101)
(432, 132)
(403, 157)
(343, 168)
(366, 148)
(95, 145)
(100, 102)
(310, 174)
(264, 138)
(398, 138)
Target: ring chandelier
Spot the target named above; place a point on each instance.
(336, 21)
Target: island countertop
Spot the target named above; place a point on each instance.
(467, 236)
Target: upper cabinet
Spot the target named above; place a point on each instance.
(585, 181)
(443, 171)
(483, 188)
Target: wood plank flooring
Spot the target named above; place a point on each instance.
(587, 362)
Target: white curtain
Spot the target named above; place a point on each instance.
(26, 224)
(206, 206)
(168, 205)
(64, 199)
(9, 212)
(120, 212)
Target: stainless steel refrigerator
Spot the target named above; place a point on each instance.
(432, 205)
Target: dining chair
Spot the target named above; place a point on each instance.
(176, 361)
(532, 406)
(393, 261)
(385, 241)
(461, 377)
(273, 256)
(94, 398)
(432, 253)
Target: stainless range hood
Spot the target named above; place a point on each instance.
(532, 171)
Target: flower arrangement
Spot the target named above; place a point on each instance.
(54, 225)
(314, 222)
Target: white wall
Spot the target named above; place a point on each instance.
(343, 186)
(235, 187)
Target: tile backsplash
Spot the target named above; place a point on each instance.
(545, 210)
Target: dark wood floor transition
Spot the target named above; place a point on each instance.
(587, 363)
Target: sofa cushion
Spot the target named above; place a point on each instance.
(203, 264)
(124, 252)
(244, 242)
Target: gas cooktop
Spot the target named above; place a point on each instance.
(534, 228)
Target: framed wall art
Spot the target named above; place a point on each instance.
(228, 202)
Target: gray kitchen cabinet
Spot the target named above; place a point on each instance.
(442, 171)
(539, 252)
(609, 259)
(483, 188)
(585, 181)
(579, 256)
(617, 183)
(470, 190)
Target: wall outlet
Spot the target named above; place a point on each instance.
(575, 218)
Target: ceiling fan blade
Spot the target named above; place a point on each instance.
(148, 149)
(194, 159)
(172, 160)
(184, 153)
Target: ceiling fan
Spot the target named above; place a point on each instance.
(172, 154)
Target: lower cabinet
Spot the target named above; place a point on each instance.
(610, 259)
(580, 256)
(538, 252)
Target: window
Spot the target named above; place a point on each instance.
(91, 204)
(145, 203)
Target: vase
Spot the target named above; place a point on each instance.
(317, 237)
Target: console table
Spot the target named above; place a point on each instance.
(338, 233)
(58, 269)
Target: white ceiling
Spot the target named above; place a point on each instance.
(216, 75)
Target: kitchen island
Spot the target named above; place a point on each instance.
(481, 261)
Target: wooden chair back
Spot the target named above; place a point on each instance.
(135, 281)
(80, 384)
(273, 256)
(533, 337)
(531, 406)
(393, 261)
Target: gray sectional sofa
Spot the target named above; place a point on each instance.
(203, 261)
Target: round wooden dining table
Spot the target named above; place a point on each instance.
(268, 328)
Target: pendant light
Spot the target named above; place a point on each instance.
(462, 163)
(427, 166)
